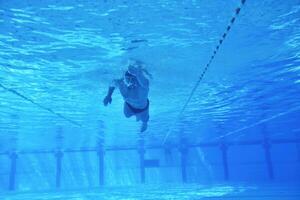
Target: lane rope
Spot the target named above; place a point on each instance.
(40, 106)
(215, 51)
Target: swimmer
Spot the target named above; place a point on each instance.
(134, 87)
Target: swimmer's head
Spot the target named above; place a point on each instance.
(135, 62)
(130, 79)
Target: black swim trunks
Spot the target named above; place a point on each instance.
(138, 110)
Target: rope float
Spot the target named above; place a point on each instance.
(237, 12)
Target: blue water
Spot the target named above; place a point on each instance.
(57, 59)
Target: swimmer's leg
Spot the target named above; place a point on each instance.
(144, 117)
(127, 111)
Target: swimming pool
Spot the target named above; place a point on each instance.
(224, 99)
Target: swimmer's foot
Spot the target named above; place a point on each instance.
(137, 118)
(144, 126)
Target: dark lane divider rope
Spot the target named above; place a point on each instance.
(237, 12)
(40, 106)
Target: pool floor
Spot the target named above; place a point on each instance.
(166, 192)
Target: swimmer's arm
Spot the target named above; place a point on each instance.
(143, 81)
(110, 91)
(121, 85)
(107, 99)
(111, 88)
(115, 83)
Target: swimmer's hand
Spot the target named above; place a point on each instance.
(107, 100)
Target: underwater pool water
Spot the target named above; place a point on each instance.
(224, 99)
